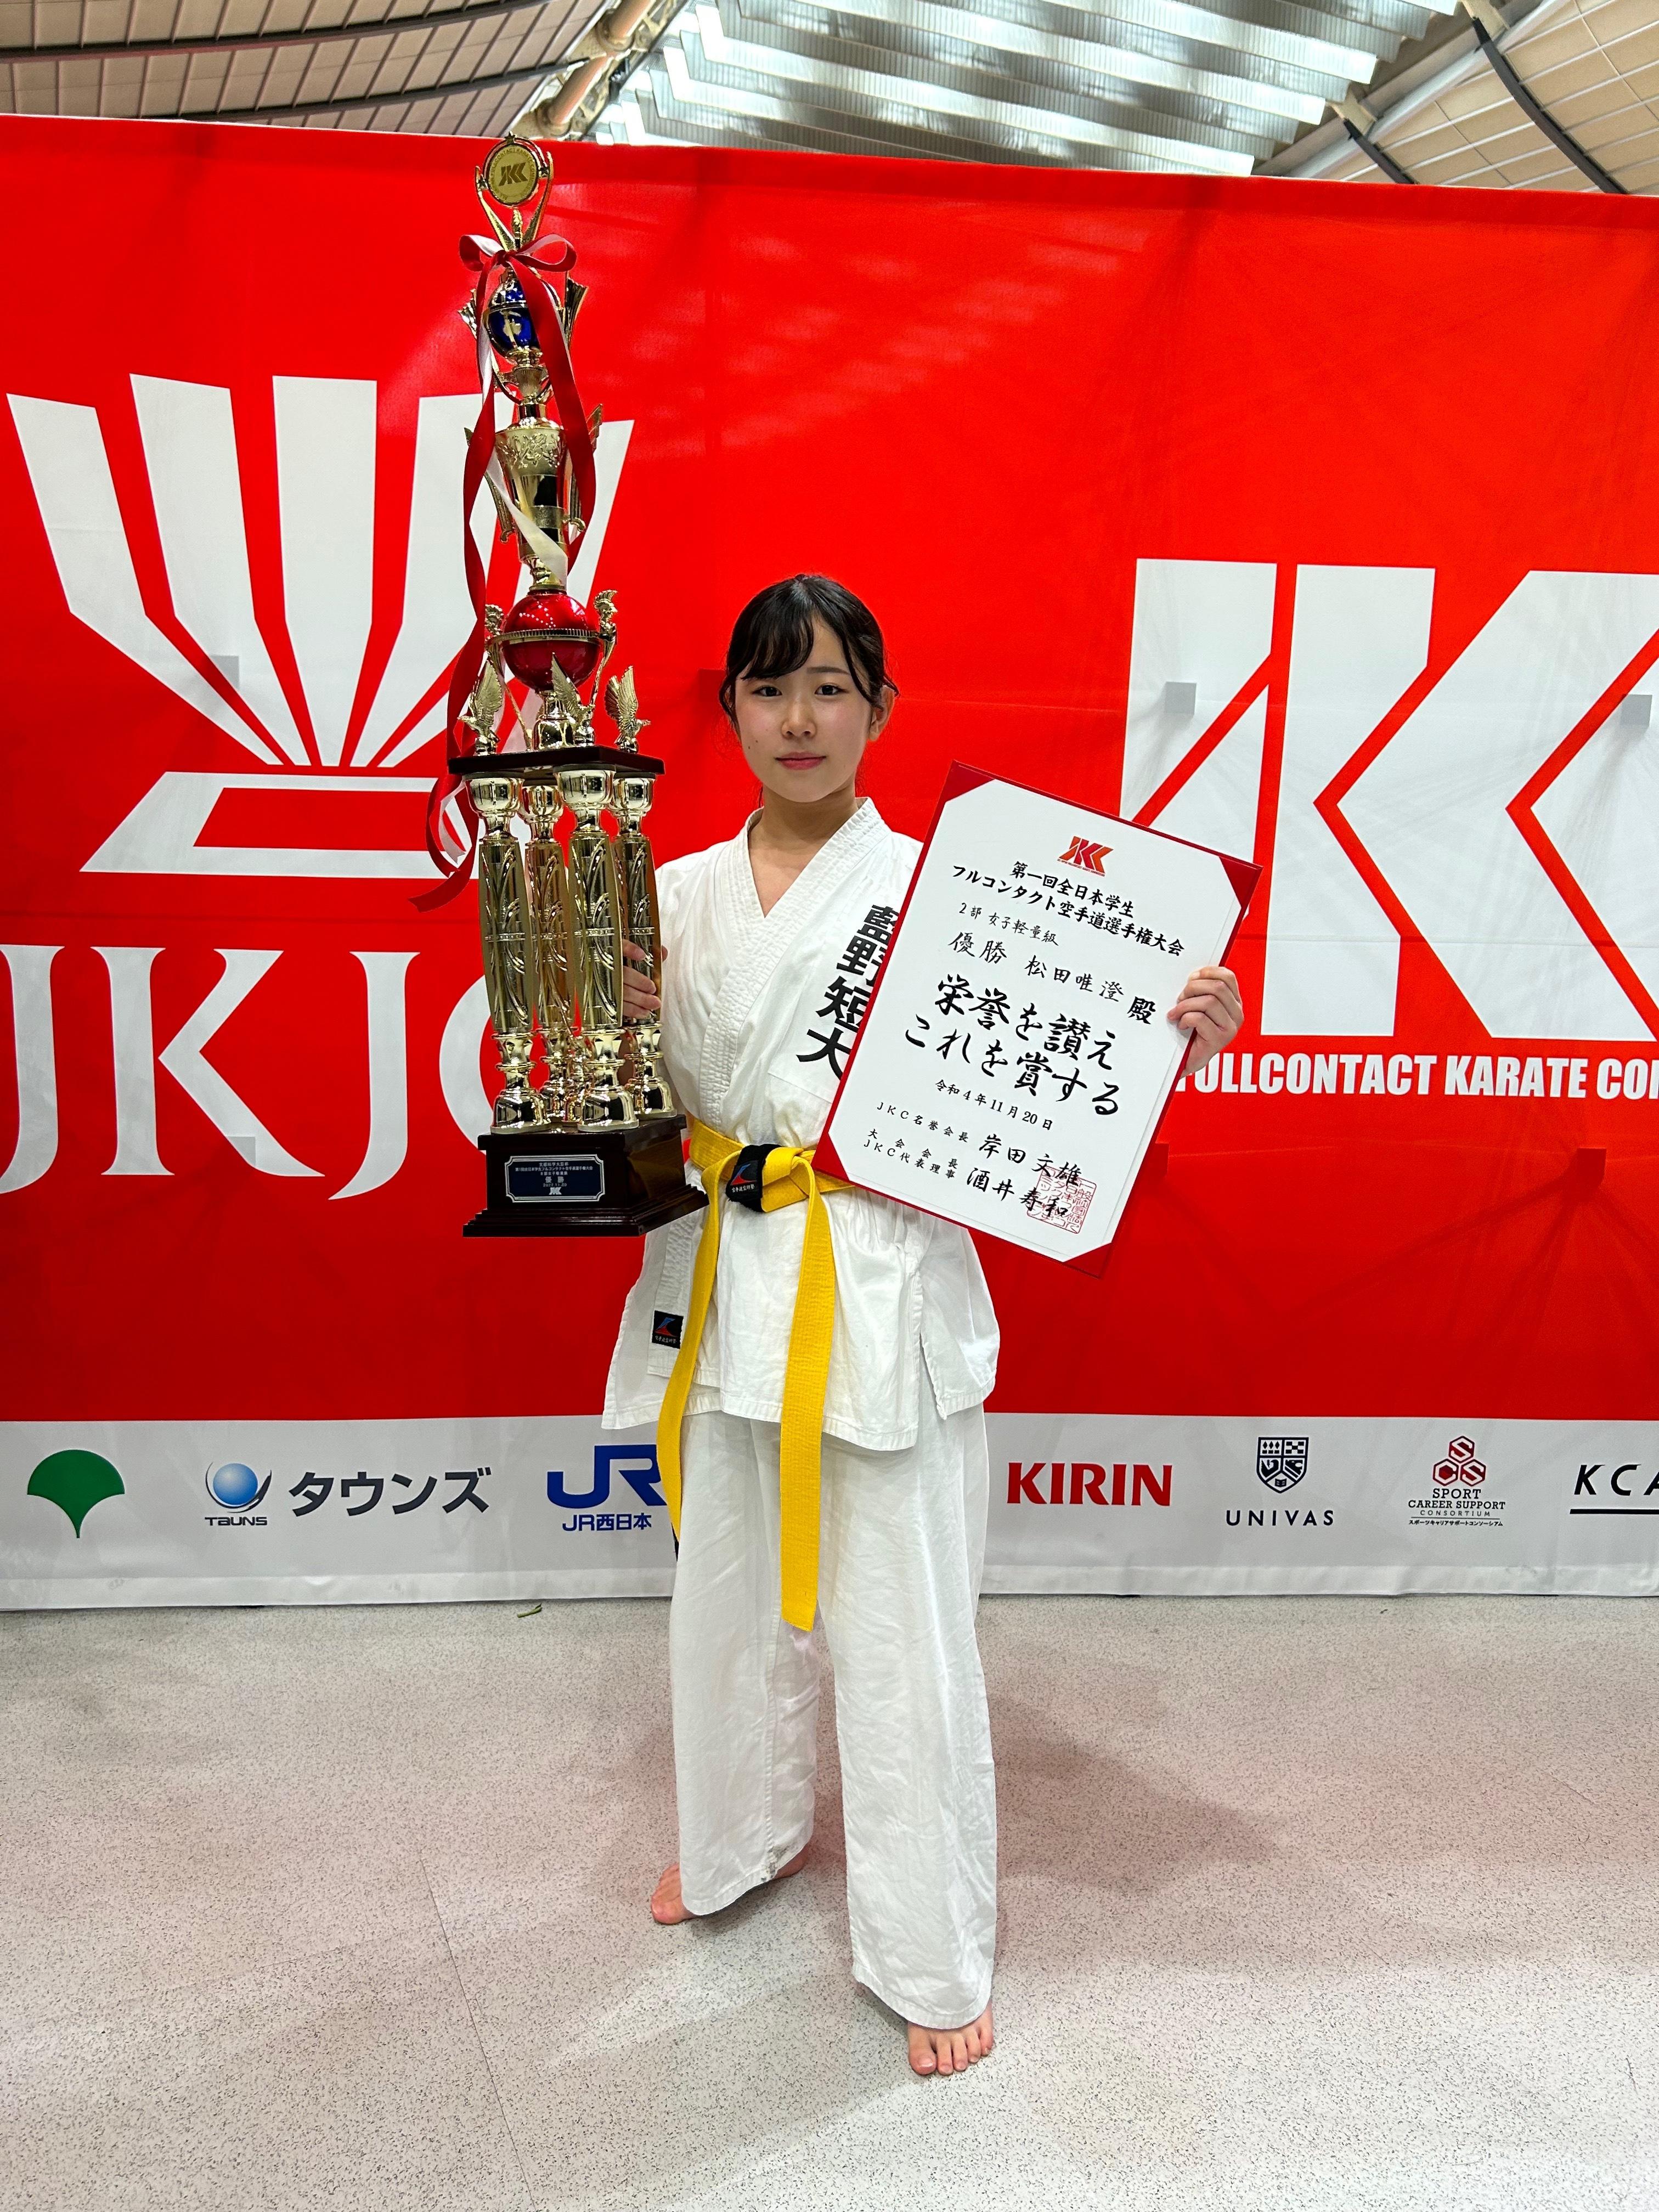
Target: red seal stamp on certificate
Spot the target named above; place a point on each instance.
(1061, 1197)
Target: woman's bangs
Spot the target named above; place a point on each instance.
(781, 642)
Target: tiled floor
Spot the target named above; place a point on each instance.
(1306, 1903)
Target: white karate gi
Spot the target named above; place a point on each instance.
(752, 1052)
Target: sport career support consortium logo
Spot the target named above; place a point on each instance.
(1459, 1498)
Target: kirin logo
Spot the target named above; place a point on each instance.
(296, 694)
(1082, 854)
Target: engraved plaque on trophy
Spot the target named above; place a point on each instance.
(594, 1147)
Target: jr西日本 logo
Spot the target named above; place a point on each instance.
(1281, 1461)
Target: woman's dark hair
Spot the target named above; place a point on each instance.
(772, 636)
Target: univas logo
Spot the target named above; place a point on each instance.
(236, 1490)
(324, 682)
(1082, 853)
(1281, 1461)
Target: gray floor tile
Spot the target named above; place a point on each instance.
(1310, 1904)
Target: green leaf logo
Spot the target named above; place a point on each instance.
(76, 1480)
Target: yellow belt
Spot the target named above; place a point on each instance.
(787, 1179)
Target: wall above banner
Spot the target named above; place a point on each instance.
(1133, 489)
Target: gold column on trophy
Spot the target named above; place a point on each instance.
(598, 937)
(596, 1148)
(505, 924)
(558, 1004)
(646, 1077)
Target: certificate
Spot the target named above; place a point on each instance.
(1015, 1060)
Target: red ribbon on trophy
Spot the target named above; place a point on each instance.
(494, 264)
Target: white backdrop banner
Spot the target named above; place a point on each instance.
(305, 1513)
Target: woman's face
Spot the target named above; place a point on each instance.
(803, 734)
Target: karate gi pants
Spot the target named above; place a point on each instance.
(901, 1549)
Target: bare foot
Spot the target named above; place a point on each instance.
(669, 1908)
(948, 2049)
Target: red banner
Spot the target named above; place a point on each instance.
(1300, 520)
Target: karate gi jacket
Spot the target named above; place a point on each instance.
(759, 1013)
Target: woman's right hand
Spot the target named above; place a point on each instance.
(639, 998)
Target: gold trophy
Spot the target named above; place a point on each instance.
(595, 1148)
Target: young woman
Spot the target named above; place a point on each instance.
(770, 944)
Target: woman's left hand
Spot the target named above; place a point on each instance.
(1211, 1009)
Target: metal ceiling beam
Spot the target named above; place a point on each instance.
(344, 103)
(224, 42)
(1003, 34)
(929, 99)
(1051, 92)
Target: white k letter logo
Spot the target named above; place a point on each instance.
(135, 1058)
(1432, 809)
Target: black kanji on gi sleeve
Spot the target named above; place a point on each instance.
(835, 1049)
(845, 1003)
(406, 1482)
(469, 1476)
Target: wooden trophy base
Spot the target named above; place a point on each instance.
(583, 1183)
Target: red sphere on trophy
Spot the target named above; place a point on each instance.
(549, 626)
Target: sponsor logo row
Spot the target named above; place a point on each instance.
(1453, 1492)
(622, 1493)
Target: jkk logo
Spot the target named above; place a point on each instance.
(1081, 853)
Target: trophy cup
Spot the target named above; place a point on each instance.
(594, 1149)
